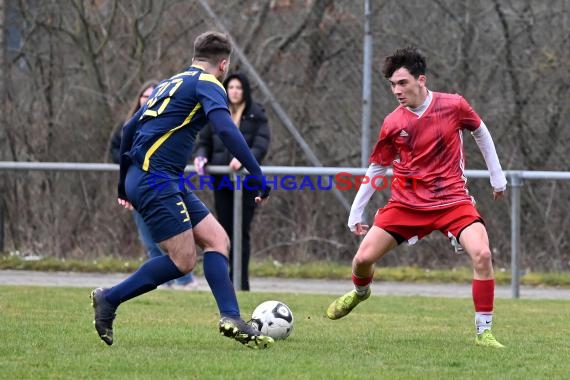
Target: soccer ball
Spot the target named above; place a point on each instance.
(273, 318)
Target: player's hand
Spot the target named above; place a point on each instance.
(263, 195)
(498, 194)
(126, 204)
(235, 165)
(361, 229)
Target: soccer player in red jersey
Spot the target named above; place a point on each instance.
(422, 139)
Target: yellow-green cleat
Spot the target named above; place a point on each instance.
(344, 305)
(244, 333)
(486, 339)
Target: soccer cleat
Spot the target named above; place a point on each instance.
(104, 315)
(344, 305)
(244, 333)
(486, 339)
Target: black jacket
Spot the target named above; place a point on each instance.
(253, 126)
(254, 129)
(115, 146)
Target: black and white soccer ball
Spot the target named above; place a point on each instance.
(273, 318)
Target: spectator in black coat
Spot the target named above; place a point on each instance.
(251, 119)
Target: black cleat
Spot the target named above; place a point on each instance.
(244, 333)
(104, 315)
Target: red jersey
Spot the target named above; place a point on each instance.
(426, 152)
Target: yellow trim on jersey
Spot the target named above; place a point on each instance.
(164, 137)
(210, 78)
(186, 74)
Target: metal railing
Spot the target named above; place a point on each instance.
(515, 177)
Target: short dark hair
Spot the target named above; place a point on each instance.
(409, 58)
(212, 47)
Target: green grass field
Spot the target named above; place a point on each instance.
(47, 333)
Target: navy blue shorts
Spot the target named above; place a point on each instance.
(166, 208)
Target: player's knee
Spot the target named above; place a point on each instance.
(184, 259)
(216, 240)
(223, 245)
(227, 243)
(187, 264)
(482, 258)
(362, 259)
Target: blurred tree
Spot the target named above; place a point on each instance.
(71, 67)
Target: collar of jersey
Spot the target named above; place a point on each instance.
(198, 67)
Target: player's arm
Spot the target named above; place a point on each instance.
(470, 120)
(362, 198)
(382, 156)
(485, 143)
(224, 127)
(261, 139)
(213, 99)
(127, 138)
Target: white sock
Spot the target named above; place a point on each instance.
(361, 289)
(483, 321)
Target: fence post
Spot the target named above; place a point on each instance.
(366, 87)
(236, 231)
(1, 226)
(516, 184)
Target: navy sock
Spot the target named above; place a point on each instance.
(218, 277)
(152, 273)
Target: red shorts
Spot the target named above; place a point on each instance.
(411, 224)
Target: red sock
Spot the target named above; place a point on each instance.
(483, 295)
(358, 281)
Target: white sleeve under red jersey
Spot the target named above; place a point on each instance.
(426, 152)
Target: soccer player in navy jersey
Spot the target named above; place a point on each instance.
(422, 140)
(156, 145)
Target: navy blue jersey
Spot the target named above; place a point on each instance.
(172, 117)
